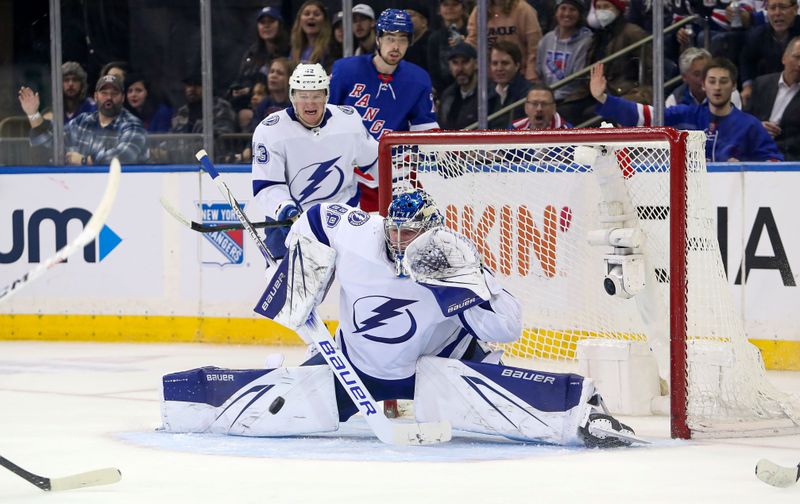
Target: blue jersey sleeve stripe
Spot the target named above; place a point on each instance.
(448, 350)
(260, 185)
(315, 222)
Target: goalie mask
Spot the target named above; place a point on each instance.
(410, 214)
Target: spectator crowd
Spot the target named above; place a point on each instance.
(748, 73)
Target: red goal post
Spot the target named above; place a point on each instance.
(493, 185)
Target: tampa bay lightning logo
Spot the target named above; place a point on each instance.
(383, 319)
(346, 109)
(357, 218)
(317, 182)
(273, 119)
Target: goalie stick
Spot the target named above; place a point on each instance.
(89, 233)
(212, 228)
(86, 479)
(389, 432)
(775, 475)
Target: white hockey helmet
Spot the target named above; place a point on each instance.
(308, 77)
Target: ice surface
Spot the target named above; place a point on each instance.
(72, 407)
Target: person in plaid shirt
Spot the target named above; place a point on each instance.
(96, 137)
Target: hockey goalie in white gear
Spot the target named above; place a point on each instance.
(416, 304)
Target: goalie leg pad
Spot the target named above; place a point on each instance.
(299, 282)
(250, 402)
(516, 403)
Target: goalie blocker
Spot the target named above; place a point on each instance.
(519, 404)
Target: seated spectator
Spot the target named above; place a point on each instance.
(93, 137)
(118, 68)
(338, 28)
(364, 29)
(74, 91)
(540, 110)
(616, 33)
(271, 41)
(418, 50)
(277, 91)
(312, 36)
(505, 61)
(776, 102)
(458, 105)
(246, 115)
(732, 135)
(189, 117)
(143, 102)
(765, 45)
(692, 63)
(515, 21)
(452, 31)
(562, 51)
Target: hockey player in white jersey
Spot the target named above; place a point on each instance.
(416, 306)
(306, 153)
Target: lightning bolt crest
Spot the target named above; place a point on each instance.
(390, 308)
(315, 180)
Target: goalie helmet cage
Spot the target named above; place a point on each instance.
(529, 198)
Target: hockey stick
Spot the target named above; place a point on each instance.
(387, 431)
(92, 478)
(89, 233)
(212, 228)
(775, 475)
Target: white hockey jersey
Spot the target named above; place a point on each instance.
(386, 322)
(295, 164)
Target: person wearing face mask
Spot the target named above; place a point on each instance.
(612, 33)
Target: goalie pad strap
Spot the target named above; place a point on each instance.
(512, 402)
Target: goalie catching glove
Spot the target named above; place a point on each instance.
(447, 263)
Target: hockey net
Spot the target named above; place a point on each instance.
(529, 199)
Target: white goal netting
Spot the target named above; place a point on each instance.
(528, 202)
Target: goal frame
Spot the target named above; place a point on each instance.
(677, 141)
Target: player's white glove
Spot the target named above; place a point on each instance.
(445, 258)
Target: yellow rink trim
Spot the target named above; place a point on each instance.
(536, 343)
(779, 354)
(145, 329)
(551, 344)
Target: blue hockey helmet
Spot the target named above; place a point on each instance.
(411, 213)
(394, 21)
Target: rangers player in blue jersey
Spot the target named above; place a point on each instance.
(389, 94)
(416, 305)
(306, 153)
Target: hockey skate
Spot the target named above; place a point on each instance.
(601, 430)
